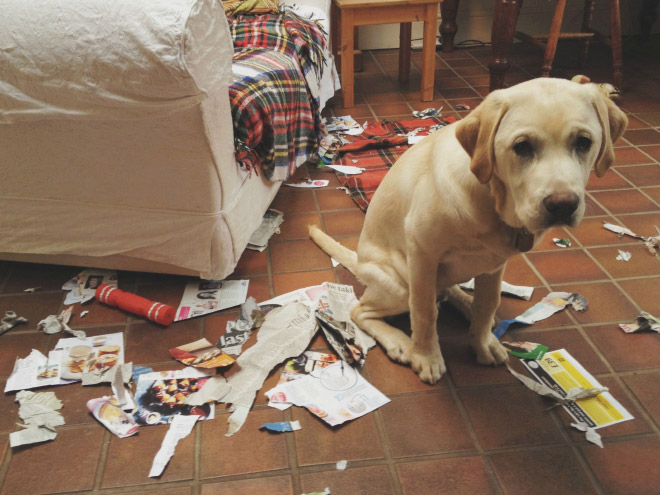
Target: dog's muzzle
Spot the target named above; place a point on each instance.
(561, 207)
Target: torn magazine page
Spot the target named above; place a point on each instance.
(201, 297)
(549, 305)
(201, 354)
(180, 428)
(282, 426)
(270, 224)
(346, 169)
(345, 124)
(307, 183)
(583, 397)
(338, 394)
(334, 318)
(286, 332)
(161, 396)
(93, 354)
(10, 320)
(238, 331)
(645, 322)
(40, 414)
(652, 243)
(307, 295)
(110, 414)
(296, 368)
(59, 323)
(520, 291)
(36, 370)
(83, 286)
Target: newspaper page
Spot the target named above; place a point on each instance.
(336, 395)
(161, 396)
(201, 297)
(561, 372)
(36, 370)
(91, 354)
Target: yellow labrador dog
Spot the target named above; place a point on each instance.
(464, 200)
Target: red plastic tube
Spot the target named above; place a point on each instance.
(154, 311)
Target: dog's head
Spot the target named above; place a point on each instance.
(535, 144)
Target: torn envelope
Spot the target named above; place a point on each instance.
(201, 354)
(334, 317)
(549, 305)
(83, 286)
(39, 412)
(161, 396)
(336, 395)
(270, 224)
(208, 296)
(583, 397)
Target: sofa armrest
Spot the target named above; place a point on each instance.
(90, 59)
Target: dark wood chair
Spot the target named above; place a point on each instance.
(505, 17)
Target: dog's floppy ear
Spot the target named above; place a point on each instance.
(613, 122)
(476, 133)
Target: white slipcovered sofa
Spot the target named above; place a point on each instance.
(116, 142)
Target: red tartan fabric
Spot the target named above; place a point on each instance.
(376, 150)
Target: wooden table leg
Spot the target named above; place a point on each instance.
(428, 51)
(405, 38)
(615, 33)
(346, 48)
(505, 16)
(448, 26)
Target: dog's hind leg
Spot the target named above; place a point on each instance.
(486, 301)
(460, 299)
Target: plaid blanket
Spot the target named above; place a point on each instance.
(376, 150)
(278, 61)
(276, 126)
(302, 39)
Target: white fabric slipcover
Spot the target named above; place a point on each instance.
(116, 142)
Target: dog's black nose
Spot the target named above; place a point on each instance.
(561, 206)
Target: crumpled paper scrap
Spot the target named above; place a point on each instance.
(180, 428)
(10, 320)
(549, 305)
(644, 322)
(39, 412)
(58, 323)
(282, 426)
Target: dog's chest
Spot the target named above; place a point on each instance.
(462, 265)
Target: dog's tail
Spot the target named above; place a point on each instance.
(345, 256)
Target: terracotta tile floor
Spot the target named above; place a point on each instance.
(476, 432)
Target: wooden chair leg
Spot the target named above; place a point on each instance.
(615, 30)
(448, 26)
(553, 37)
(405, 38)
(587, 21)
(346, 49)
(505, 17)
(428, 51)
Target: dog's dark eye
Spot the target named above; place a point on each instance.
(583, 144)
(523, 149)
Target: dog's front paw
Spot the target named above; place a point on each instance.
(490, 352)
(430, 366)
(398, 348)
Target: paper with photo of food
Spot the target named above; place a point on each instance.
(161, 395)
(201, 354)
(92, 354)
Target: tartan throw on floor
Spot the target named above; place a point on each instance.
(376, 150)
(278, 61)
